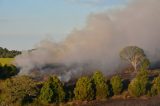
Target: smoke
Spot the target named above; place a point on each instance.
(97, 45)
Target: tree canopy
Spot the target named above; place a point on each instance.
(52, 91)
(101, 87)
(134, 55)
(117, 84)
(84, 89)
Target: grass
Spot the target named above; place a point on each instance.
(7, 61)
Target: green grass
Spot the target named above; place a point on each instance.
(7, 61)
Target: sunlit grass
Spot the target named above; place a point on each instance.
(7, 61)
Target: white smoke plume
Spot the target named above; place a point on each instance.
(97, 45)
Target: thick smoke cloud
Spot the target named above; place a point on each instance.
(98, 44)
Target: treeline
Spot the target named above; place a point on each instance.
(23, 90)
(5, 53)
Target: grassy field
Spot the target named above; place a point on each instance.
(4, 61)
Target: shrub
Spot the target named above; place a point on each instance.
(21, 90)
(152, 92)
(145, 64)
(101, 88)
(83, 89)
(117, 84)
(8, 71)
(155, 89)
(52, 91)
(138, 85)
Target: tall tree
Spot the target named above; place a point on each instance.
(134, 55)
(139, 84)
(84, 89)
(52, 91)
(117, 84)
(101, 87)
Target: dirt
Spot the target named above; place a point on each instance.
(154, 101)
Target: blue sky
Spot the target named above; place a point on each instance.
(23, 23)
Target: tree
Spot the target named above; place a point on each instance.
(134, 55)
(138, 85)
(52, 91)
(46, 94)
(84, 89)
(101, 88)
(20, 89)
(156, 86)
(117, 85)
(145, 65)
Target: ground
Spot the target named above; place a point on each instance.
(154, 101)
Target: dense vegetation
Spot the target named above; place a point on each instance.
(5, 53)
(7, 71)
(24, 90)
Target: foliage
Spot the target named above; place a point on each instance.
(117, 84)
(134, 55)
(138, 85)
(142, 74)
(8, 71)
(156, 83)
(46, 93)
(84, 89)
(152, 92)
(155, 87)
(145, 64)
(5, 53)
(20, 89)
(52, 91)
(101, 88)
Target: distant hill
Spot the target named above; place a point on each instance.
(5, 53)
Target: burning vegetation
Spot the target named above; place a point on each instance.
(122, 44)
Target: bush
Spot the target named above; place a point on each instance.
(52, 91)
(101, 88)
(142, 74)
(145, 64)
(155, 89)
(84, 89)
(152, 92)
(8, 71)
(20, 90)
(117, 85)
(138, 85)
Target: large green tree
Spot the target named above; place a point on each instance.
(139, 84)
(117, 84)
(84, 89)
(100, 85)
(134, 55)
(52, 91)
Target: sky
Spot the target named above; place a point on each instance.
(24, 23)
